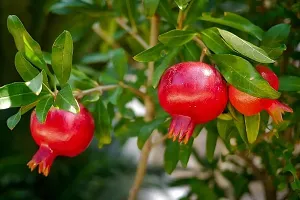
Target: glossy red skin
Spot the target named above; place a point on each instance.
(250, 105)
(192, 89)
(62, 134)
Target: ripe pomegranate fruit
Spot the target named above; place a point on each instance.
(62, 134)
(192, 93)
(250, 105)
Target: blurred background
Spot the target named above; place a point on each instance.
(106, 173)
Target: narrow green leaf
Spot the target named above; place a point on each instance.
(176, 38)
(211, 140)
(103, 124)
(66, 101)
(163, 66)
(62, 53)
(26, 108)
(152, 54)
(191, 51)
(276, 34)
(224, 128)
(242, 75)
(289, 83)
(245, 48)
(150, 7)
(147, 130)
(14, 120)
(119, 60)
(252, 127)
(115, 96)
(213, 40)
(195, 7)
(182, 4)
(240, 125)
(274, 51)
(237, 22)
(91, 98)
(225, 116)
(165, 11)
(185, 152)
(171, 156)
(36, 84)
(15, 95)
(24, 42)
(24, 68)
(43, 107)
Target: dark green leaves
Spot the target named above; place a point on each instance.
(211, 140)
(119, 60)
(66, 101)
(15, 95)
(237, 22)
(62, 53)
(147, 130)
(36, 84)
(150, 7)
(276, 34)
(171, 156)
(185, 152)
(245, 48)
(242, 75)
(163, 66)
(176, 38)
(24, 67)
(43, 107)
(182, 4)
(103, 124)
(152, 54)
(24, 42)
(289, 83)
(252, 127)
(212, 39)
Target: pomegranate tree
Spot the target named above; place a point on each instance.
(192, 93)
(62, 134)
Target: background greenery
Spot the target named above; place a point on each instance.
(105, 173)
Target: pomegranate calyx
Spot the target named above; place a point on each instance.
(43, 158)
(181, 127)
(277, 109)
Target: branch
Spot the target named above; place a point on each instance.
(109, 40)
(100, 89)
(202, 45)
(129, 30)
(133, 90)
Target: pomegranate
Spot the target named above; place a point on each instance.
(192, 93)
(62, 134)
(250, 105)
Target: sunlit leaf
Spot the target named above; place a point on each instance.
(66, 101)
(182, 4)
(252, 127)
(24, 67)
(43, 107)
(36, 84)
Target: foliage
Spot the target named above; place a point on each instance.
(104, 60)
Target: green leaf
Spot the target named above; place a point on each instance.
(15, 95)
(91, 98)
(211, 140)
(182, 4)
(289, 83)
(147, 130)
(276, 34)
(36, 84)
(213, 40)
(150, 7)
(242, 75)
(274, 51)
(24, 42)
(152, 54)
(119, 60)
(103, 124)
(237, 22)
(252, 127)
(43, 107)
(163, 66)
(185, 152)
(245, 48)
(240, 125)
(224, 128)
(24, 68)
(62, 53)
(194, 9)
(225, 116)
(165, 11)
(171, 156)
(66, 101)
(14, 120)
(176, 38)
(191, 51)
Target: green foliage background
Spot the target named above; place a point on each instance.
(99, 173)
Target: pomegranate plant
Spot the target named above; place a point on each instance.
(209, 87)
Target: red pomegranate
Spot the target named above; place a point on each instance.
(250, 105)
(192, 93)
(62, 134)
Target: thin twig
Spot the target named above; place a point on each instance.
(202, 45)
(133, 90)
(203, 53)
(134, 34)
(180, 19)
(108, 39)
(99, 89)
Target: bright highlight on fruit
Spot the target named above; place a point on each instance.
(63, 134)
(192, 93)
